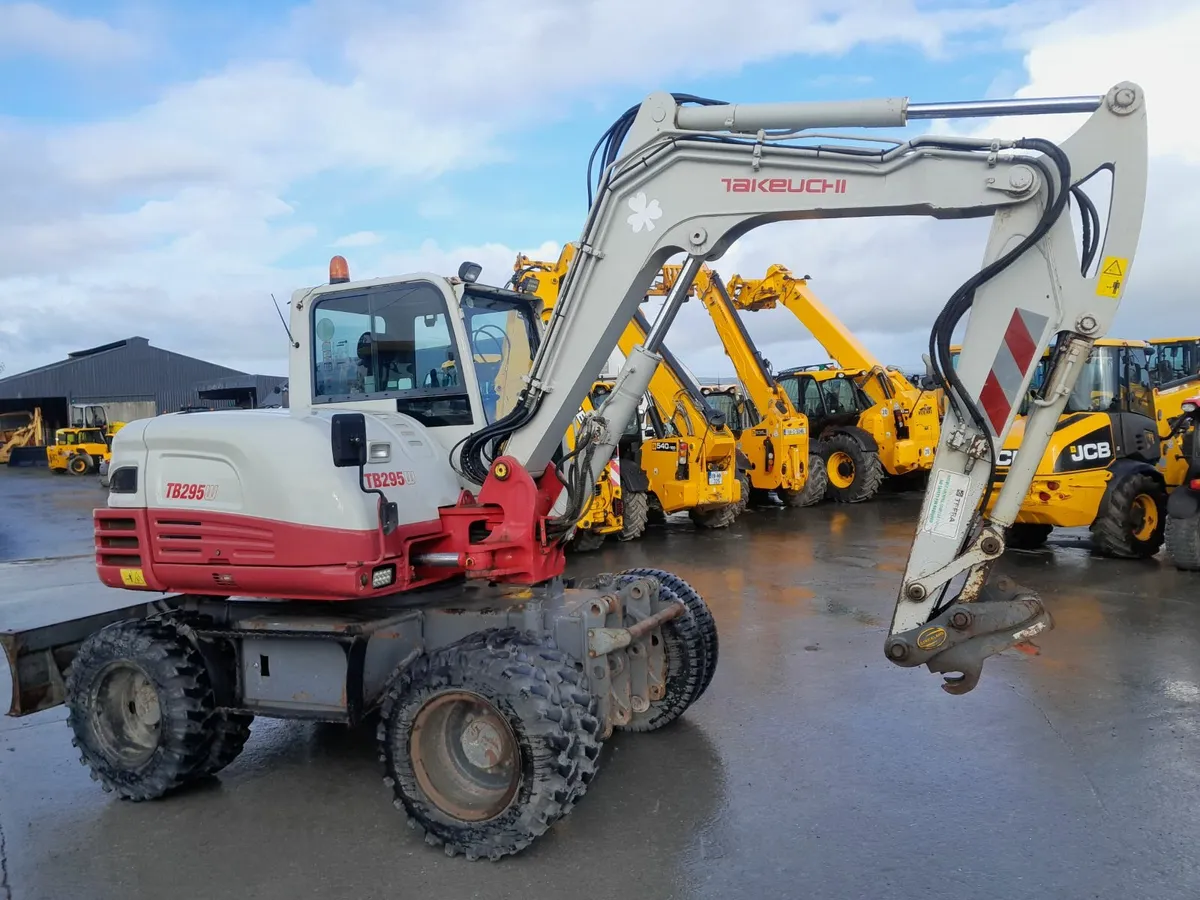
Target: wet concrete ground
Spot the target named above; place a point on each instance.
(812, 768)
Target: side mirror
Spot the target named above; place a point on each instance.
(348, 440)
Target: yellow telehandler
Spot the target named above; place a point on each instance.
(689, 459)
(770, 432)
(880, 424)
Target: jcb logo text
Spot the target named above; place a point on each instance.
(1005, 457)
(1098, 450)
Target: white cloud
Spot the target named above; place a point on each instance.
(359, 239)
(30, 29)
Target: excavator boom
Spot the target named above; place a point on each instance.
(696, 178)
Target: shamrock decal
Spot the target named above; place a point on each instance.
(644, 213)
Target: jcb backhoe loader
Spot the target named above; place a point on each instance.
(897, 429)
(772, 435)
(1105, 467)
(405, 554)
(691, 461)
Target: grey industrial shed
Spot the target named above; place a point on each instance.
(133, 380)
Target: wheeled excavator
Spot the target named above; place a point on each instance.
(690, 462)
(772, 435)
(890, 424)
(405, 555)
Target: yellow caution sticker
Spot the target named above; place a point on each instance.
(1112, 276)
(133, 577)
(931, 638)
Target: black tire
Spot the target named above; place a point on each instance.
(657, 515)
(1183, 543)
(230, 731)
(815, 487)
(79, 464)
(854, 474)
(743, 478)
(635, 515)
(583, 541)
(147, 659)
(1027, 535)
(1115, 531)
(698, 608)
(535, 691)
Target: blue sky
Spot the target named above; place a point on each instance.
(167, 167)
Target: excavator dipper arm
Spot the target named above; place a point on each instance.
(695, 179)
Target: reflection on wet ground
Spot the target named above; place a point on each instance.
(811, 768)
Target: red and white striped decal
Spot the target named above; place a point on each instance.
(614, 470)
(1002, 389)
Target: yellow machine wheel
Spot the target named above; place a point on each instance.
(1131, 520)
(854, 473)
(79, 465)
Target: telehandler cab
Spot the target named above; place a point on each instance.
(419, 570)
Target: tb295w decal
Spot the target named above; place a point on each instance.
(185, 490)
(389, 479)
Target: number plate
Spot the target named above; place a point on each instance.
(133, 577)
(716, 477)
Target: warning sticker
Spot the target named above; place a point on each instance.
(948, 509)
(1112, 276)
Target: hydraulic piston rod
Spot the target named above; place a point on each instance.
(886, 112)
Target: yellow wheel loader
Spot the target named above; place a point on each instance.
(21, 437)
(689, 459)
(898, 422)
(772, 435)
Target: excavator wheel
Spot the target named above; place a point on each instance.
(689, 662)
(1027, 535)
(489, 741)
(141, 706)
(855, 474)
(1131, 521)
(697, 607)
(583, 541)
(79, 464)
(635, 515)
(815, 486)
(1183, 542)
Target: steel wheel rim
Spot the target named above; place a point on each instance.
(465, 756)
(1145, 517)
(840, 469)
(126, 714)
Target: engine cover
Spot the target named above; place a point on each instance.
(249, 502)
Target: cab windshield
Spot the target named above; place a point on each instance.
(1175, 361)
(396, 341)
(727, 404)
(1114, 379)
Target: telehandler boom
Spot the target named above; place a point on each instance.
(903, 422)
(365, 570)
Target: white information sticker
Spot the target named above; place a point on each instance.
(948, 510)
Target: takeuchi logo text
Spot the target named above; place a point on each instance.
(784, 185)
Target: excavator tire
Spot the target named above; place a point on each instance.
(583, 541)
(140, 705)
(635, 515)
(695, 603)
(1183, 542)
(688, 664)
(79, 464)
(815, 487)
(1131, 520)
(743, 478)
(854, 474)
(1027, 535)
(487, 787)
